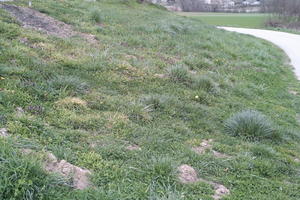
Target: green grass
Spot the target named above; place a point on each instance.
(122, 101)
(243, 20)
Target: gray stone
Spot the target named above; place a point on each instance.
(3, 132)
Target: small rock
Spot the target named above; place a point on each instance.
(3, 132)
(293, 92)
(160, 75)
(187, 174)
(19, 111)
(219, 155)
(206, 144)
(133, 148)
(24, 40)
(193, 72)
(79, 176)
(220, 191)
(297, 160)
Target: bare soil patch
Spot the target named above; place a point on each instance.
(32, 19)
(80, 177)
(207, 145)
(188, 175)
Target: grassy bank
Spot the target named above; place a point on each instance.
(153, 79)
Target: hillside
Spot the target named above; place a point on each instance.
(115, 99)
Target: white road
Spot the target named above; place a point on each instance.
(290, 43)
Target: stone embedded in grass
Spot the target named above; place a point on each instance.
(187, 174)
(206, 144)
(134, 147)
(3, 132)
(219, 154)
(19, 111)
(293, 92)
(160, 75)
(80, 177)
(220, 191)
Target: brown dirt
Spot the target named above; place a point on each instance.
(32, 19)
(80, 177)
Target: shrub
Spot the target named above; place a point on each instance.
(251, 125)
(179, 73)
(96, 16)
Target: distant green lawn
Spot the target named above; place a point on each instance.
(245, 20)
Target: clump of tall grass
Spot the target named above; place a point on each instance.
(68, 83)
(250, 124)
(203, 82)
(157, 102)
(96, 16)
(179, 73)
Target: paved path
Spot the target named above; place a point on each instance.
(290, 43)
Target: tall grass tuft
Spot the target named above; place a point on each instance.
(250, 124)
(203, 82)
(179, 73)
(96, 16)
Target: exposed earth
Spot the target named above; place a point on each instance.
(32, 19)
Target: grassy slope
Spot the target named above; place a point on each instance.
(116, 77)
(244, 20)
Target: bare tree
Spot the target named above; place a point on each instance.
(284, 8)
(286, 13)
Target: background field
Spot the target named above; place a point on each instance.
(244, 20)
